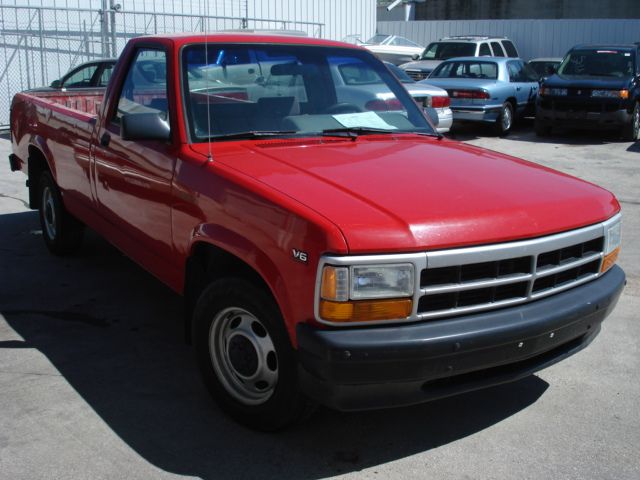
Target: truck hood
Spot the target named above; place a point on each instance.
(409, 193)
(564, 81)
(421, 65)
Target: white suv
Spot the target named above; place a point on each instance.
(459, 46)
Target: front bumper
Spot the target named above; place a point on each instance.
(387, 366)
(582, 114)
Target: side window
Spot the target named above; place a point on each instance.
(497, 49)
(145, 88)
(510, 48)
(515, 71)
(485, 51)
(105, 76)
(81, 77)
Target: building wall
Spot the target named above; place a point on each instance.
(524, 9)
(533, 38)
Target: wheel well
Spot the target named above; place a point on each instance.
(513, 103)
(206, 264)
(37, 165)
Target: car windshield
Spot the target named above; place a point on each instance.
(377, 39)
(291, 90)
(446, 50)
(466, 69)
(603, 62)
(544, 68)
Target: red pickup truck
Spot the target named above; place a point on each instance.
(330, 246)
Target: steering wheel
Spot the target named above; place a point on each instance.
(342, 107)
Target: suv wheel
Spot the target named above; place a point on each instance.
(631, 131)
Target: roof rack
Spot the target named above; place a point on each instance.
(470, 37)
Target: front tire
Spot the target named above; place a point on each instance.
(505, 119)
(61, 232)
(631, 131)
(245, 356)
(541, 129)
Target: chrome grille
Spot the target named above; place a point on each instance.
(417, 75)
(447, 289)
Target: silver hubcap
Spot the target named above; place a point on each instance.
(49, 212)
(506, 118)
(243, 356)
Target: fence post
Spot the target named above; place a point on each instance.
(104, 29)
(112, 15)
(41, 37)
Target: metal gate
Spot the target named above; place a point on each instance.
(40, 44)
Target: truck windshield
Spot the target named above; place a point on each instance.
(291, 90)
(447, 50)
(603, 62)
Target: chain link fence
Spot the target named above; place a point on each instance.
(39, 44)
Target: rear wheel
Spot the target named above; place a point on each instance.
(245, 355)
(505, 119)
(542, 130)
(61, 232)
(631, 131)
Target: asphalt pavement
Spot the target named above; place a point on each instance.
(97, 383)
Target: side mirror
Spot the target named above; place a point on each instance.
(144, 126)
(415, 56)
(56, 84)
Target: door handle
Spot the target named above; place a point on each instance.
(518, 88)
(105, 139)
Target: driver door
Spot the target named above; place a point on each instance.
(133, 178)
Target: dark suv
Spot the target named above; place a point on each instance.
(596, 86)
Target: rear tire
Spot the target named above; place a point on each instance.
(245, 356)
(631, 131)
(504, 122)
(62, 233)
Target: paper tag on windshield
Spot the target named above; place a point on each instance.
(363, 119)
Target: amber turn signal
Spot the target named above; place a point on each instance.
(609, 260)
(365, 310)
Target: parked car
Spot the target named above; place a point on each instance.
(458, 46)
(544, 67)
(596, 87)
(325, 255)
(437, 104)
(393, 48)
(93, 74)
(489, 90)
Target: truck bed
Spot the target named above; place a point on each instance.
(87, 102)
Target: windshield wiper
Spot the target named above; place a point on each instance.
(251, 134)
(353, 132)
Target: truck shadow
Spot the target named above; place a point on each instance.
(114, 334)
(523, 131)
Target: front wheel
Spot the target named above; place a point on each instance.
(61, 232)
(245, 355)
(505, 119)
(631, 131)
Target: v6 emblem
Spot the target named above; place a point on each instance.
(299, 255)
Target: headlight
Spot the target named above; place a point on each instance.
(555, 92)
(612, 241)
(361, 293)
(610, 93)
